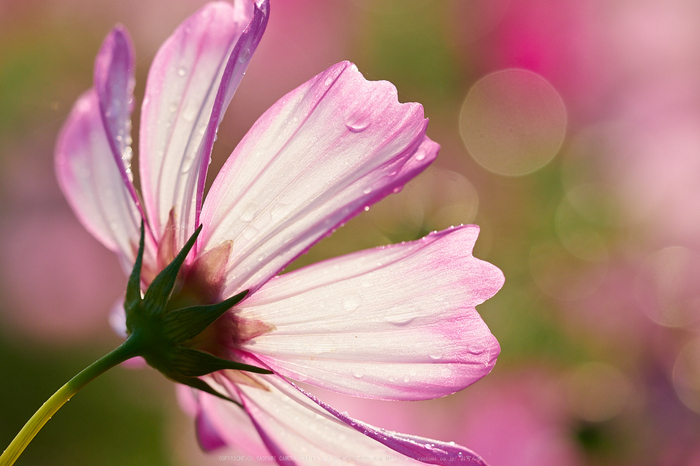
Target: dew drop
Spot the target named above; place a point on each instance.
(328, 81)
(358, 374)
(187, 163)
(127, 154)
(248, 214)
(250, 233)
(188, 114)
(436, 356)
(420, 156)
(350, 304)
(366, 190)
(181, 72)
(277, 212)
(400, 319)
(357, 126)
(244, 56)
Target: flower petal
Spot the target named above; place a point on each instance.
(317, 157)
(397, 322)
(419, 448)
(114, 84)
(190, 84)
(300, 429)
(226, 423)
(92, 182)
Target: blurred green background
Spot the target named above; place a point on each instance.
(570, 133)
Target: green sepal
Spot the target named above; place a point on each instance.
(195, 363)
(161, 287)
(158, 333)
(200, 384)
(133, 287)
(184, 324)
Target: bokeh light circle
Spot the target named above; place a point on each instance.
(686, 375)
(513, 122)
(598, 391)
(667, 288)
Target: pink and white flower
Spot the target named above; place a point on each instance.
(392, 323)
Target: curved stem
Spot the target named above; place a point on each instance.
(127, 350)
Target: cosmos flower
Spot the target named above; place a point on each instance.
(392, 323)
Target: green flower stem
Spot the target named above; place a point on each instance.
(127, 350)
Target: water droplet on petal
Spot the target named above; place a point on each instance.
(357, 374)
(244, 56)
(126, 155)
(350, 304)
(357, 126)
(328, 81)
(248, 213)
(400, 319)
(436, 356)
(181, 72)
(189, 113)
(250, 233)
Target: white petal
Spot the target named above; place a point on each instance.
(299, 429)
(227, 421)
(190, 84)
(317, 157)
(397, 322)
(114, 84)
(92, 182)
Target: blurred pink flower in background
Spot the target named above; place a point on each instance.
(58, 281)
